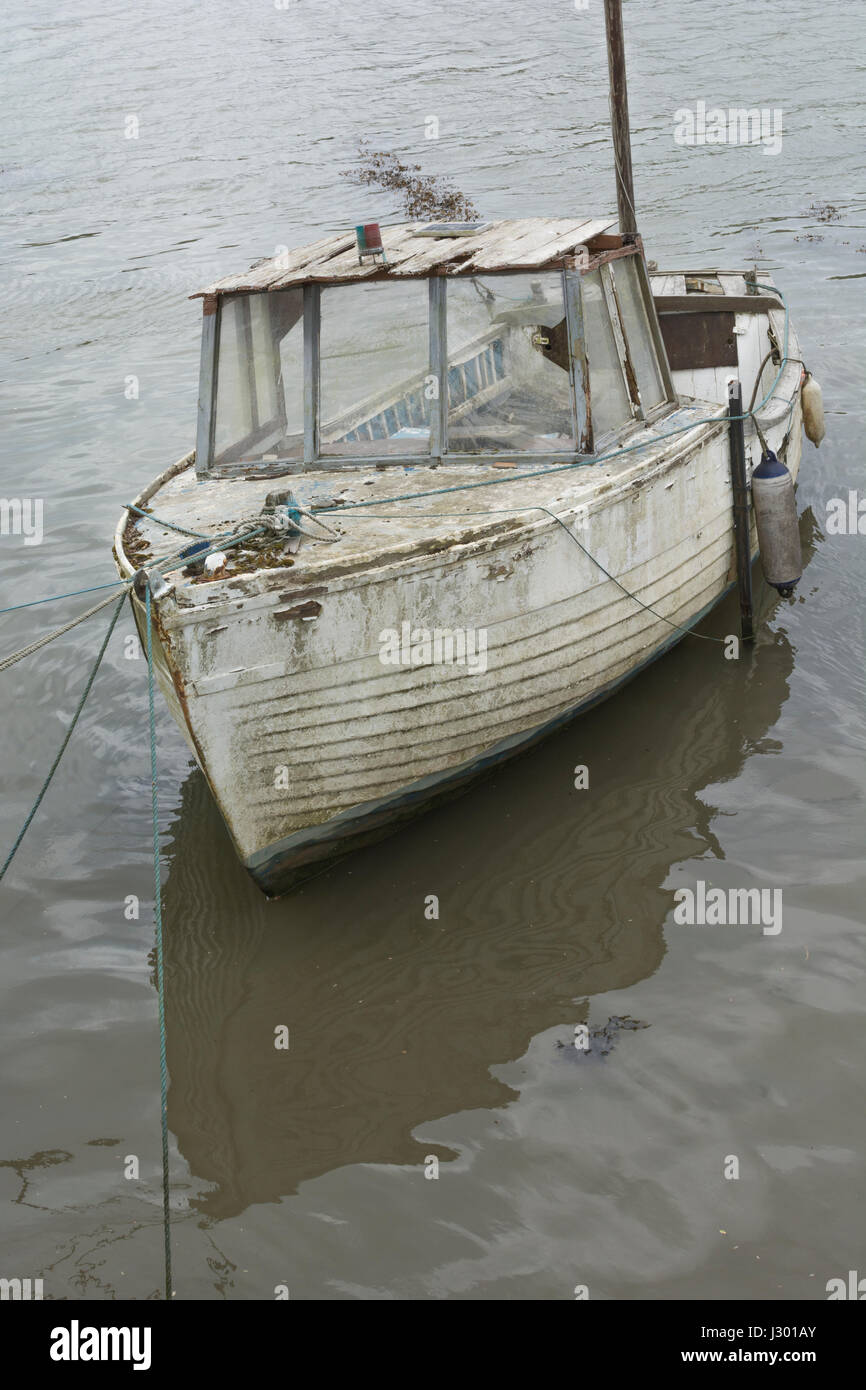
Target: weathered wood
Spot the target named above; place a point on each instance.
(733, 284)
(616, 253)
(604, 242)
(524, 236)
(693, 341)
(764, 276)
(628, 376)
(401, 248)
(449, 250)
(704, 284)
(671, 282)
(619, 117)
(714, 303)
(551, 250)
(270, 272)
(520, 243)
(533, 248)
(346, 266)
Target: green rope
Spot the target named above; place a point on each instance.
(687, 631)
(160, 959)
(45, 785)
(172, 561)
(40, 642)
(74, 594)
(165, 564)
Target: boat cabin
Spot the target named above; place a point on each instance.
(530, 339)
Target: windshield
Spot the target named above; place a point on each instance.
(468, 366)
(260, 378)
(508, 378)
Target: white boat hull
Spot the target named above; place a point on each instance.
(312, 746)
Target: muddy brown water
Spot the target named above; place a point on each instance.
(414, 1039)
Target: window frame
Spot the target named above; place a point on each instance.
(670, 395)
(587, 444)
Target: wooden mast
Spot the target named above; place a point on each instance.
(619, 118)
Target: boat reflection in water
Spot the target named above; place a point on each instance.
(547, 895)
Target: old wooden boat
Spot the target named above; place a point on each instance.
(489, 469)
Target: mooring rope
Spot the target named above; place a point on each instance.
(45, 785)
(160, 958)
(53, 598)
(58, 632)
(217, 543)
(164, 564)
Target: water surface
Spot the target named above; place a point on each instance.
(413, 1038)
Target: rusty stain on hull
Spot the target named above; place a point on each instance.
(311, 609)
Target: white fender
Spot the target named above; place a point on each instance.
(813, 410)
(777, 525)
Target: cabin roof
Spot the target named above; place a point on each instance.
(525, 243)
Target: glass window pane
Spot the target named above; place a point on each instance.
(264, 357)
(508, 381)
(609, 401)
(259, 383)
(287, 323)
(637, 331)
(375, 361)
(233, 418)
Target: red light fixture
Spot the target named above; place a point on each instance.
(369, 238)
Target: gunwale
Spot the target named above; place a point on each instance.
(443, 523)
